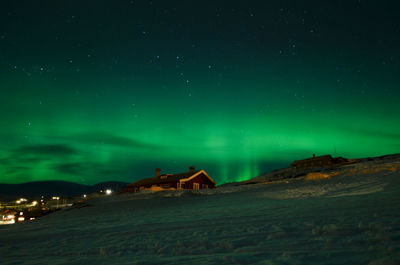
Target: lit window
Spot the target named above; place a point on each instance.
(196, 186)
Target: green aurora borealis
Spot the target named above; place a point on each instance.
(96, 91)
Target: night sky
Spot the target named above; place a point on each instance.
(96, 91)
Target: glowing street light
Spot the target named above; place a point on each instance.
(108, 192)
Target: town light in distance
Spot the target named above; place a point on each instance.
(108, 192)
(9, 219)
(21, 200)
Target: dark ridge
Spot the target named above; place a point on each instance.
(53, 188)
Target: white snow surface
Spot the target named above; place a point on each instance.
(342, 220)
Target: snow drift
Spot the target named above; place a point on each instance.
(345, 219)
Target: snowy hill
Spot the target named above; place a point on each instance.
(353, 167)
(350, 218)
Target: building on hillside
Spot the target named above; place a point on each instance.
(192, 180)
(318, 161)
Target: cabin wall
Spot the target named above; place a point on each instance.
(165, 185)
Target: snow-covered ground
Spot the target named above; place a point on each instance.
(342, 220)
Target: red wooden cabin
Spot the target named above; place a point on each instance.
(192, 180)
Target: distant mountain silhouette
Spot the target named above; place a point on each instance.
(54, 188)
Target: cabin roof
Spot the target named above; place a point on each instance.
(164, 178)
(317, 158)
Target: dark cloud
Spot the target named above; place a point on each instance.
(87, 171)
(387, 135)
(81, 169)
(111, 139)
(46, 149)
(392, 135)
(61, 157)
(5, 161)
(72, 168)
(16, 170)
(104, 138)
(25, 157)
